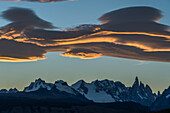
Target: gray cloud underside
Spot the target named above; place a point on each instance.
(132, 33)
(113, 50)
(17, 51)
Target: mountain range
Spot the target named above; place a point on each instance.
(98, 91)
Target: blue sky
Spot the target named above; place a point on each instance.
(69, 14)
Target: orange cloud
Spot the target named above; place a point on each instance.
(29, 59)
(121, 35)
(81, 53)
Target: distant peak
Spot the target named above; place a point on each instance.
(136, 83)
(39, 79)
(13, 90)
(102, 81)
(78, 84)
(169, 87)
(81, 81)
(147, 86)
(38, 84)
(159, 93)
(136, 79)
(106, 80)
(61, 82)
(96, 81)
(141, 83)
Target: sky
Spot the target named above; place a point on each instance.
(69, 14)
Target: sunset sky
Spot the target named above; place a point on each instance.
(69, 14)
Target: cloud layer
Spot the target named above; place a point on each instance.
(132, 33)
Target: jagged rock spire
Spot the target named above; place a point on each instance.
(136, 83)
(159, 93)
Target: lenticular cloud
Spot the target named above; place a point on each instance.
(132, 33)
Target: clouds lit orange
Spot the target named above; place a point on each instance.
(132, 33)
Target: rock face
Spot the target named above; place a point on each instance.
(141, 94)
(38, 84)
(103, 91)
(59, 90)
(106, 91)
(162, 102)
(59, 85)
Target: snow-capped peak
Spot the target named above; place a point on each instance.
(96, 90)
(100, 91)
(109, 91)
(59, 85)
(39, 83)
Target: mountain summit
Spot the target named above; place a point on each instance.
(106, 91)
(60, 85)
(98, 91)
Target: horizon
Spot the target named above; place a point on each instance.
(71, 52)
(88, 82)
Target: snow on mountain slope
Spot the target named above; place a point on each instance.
(63, 86)
(103, 91)
(38, 84)
(101, 96)
(168, 96)
(106, 91)
(34, 86)
(99, 91)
